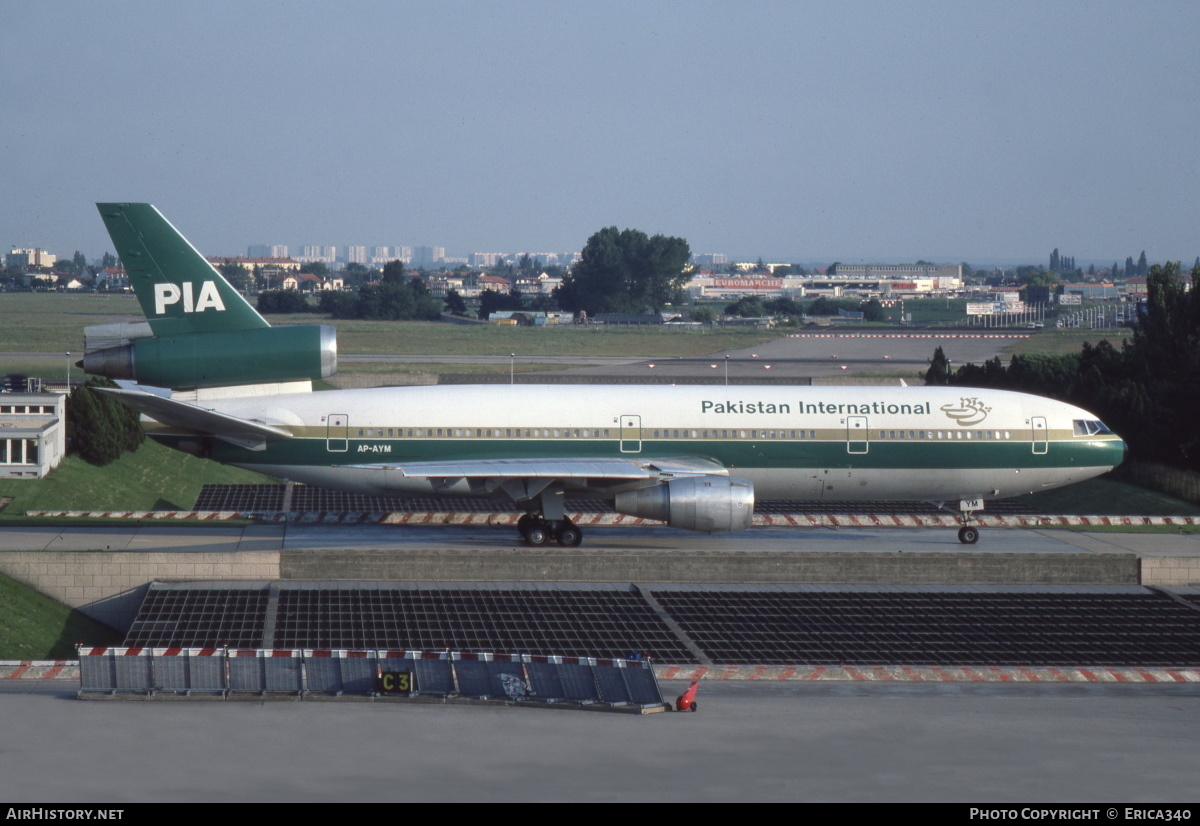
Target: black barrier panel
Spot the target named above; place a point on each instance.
(132, 672)
(507, 679)
(544, 680)
(358, 674)
(473, 678)
(612, 684)
(643, 688)
(291, 672)
(171, 672)
(207, 673)
(96, 672)
(282, 673)
(324, 674)
(577, 682)
(245, 674)
(434, 677)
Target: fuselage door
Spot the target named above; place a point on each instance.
(856, 434)
(1041, 434)
(631, 434)
(337, 433)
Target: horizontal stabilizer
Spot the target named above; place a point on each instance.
(185, 416)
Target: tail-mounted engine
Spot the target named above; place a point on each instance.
(188, 361)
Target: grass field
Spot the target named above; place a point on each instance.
(151, 478)
(35, 627)
(1054, 342)
(54, 322)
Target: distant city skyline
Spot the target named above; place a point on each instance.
(796, 132)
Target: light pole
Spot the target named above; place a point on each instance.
(68, 372)
(727, 370)
(511, 377)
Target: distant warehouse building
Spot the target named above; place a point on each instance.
(866, 280)
(32, 434)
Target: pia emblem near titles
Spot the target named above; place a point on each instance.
(968, 412)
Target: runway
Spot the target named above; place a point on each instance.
(997, 743)
(170, 538)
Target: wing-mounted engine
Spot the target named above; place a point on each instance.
(709, 504)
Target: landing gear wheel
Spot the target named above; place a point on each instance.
(569, 535)
(536, 534)
(968, 535)
(524, 523)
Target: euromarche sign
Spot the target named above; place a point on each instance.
(749, 283)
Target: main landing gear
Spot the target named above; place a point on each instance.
(547, 520)
(537, 530)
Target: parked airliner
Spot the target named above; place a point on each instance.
(695, 457)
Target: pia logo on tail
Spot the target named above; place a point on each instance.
(167, 294)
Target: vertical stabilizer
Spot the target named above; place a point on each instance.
(179, 291)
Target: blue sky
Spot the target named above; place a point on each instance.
(794, 131)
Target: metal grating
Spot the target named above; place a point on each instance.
(581, 623)
(240, 498)
(968, 627)
(202, 617)
(729, 625)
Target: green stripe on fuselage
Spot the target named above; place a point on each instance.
(732, 454)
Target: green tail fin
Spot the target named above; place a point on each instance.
(179, 291)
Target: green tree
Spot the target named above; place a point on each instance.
(823, 306)
(748, 306)
(99, 428)
(704, 315)
(873, 310)
(625, 271)
(491, 301)
(338, 303)
(939, 369)
(393, 272)
(283, 301)
(237, 275)
(455, 305)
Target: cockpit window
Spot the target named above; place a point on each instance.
(1085, 427)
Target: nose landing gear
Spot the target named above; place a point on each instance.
(968, 534)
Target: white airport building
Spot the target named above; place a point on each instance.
(33, 435)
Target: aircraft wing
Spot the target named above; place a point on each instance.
(563, 468)
(524, 478)
(185, 416)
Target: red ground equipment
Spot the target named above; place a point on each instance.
(687, 700)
